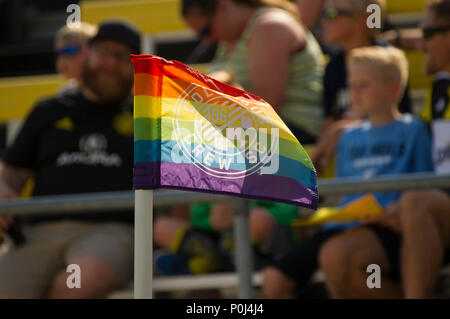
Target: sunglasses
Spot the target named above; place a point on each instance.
(334, 13)
(428, 32)
(68, 50)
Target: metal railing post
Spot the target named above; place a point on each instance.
(243, 252)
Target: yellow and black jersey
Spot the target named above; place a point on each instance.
(437, 104)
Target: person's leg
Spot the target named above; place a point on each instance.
(166, 230)
(425, 221)
(105, 258)
(345, 258)
(191, 250)
(97, 279)
(272, 239)
(26, 272)
(295, 268)
(277, 285)
(262, 225)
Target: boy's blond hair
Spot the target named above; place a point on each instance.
(359, 7)
(80, 35)
(389, 62)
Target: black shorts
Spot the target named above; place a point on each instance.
(392, 242)
(301, 261)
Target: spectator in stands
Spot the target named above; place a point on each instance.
(206, 243)
(76, 143)
(387, 143)
(70, 50)
(345, 27)
(419, 223)
(269, 53)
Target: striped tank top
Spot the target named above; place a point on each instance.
(303, 100)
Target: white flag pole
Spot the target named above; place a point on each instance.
(143, 244)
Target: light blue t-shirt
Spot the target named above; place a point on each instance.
(365, 151)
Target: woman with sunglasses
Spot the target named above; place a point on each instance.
(269, 53)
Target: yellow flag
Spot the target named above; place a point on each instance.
(363, 208)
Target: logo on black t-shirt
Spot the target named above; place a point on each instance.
(92, 152)
(93, 143)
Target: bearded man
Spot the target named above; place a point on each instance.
(75, 143)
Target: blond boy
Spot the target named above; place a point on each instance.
(386, 143)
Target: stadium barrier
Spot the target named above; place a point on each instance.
(245, 279)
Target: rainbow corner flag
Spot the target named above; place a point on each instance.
(360, 209)
(195, 133)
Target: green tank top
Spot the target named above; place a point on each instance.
(303, 101)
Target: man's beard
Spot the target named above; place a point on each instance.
(115, 90)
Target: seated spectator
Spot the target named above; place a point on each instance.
(345, 28)
(206, 244)
(387, 143)
(70, 47)
(418, 224)
(76, 143)
(269, 53)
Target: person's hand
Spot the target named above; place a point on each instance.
(406, 39)
(226, 77)
(221, 216)
(326, 146)
(389, 219)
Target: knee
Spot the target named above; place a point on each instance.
(342, 267)
(276, 284)
(332, 260)
(413, 208)
(412, 201)
(97, 277)
(261, 224)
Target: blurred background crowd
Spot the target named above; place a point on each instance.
(364, 100)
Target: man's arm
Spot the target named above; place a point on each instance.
(269, 48)
(310, 11)
(12, 181)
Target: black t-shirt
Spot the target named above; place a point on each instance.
(336, 98)
(440, 98)
(77, 146)
(437, 105)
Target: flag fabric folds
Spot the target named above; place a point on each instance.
(194, 133)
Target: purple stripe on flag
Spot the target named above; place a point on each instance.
(191, 178)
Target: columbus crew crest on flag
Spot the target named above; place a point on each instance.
(228, 133)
